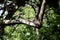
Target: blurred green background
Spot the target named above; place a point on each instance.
(49, 31)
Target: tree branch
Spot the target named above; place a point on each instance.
(18, 21)
(27, 22)
(40, 14)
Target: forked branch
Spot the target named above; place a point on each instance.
(31, 23)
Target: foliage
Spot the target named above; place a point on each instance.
(20, 31)
(49, 31)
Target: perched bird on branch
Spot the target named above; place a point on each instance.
(19, 16)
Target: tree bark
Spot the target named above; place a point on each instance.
(37, 22)
(18, 21)
(40, 14)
